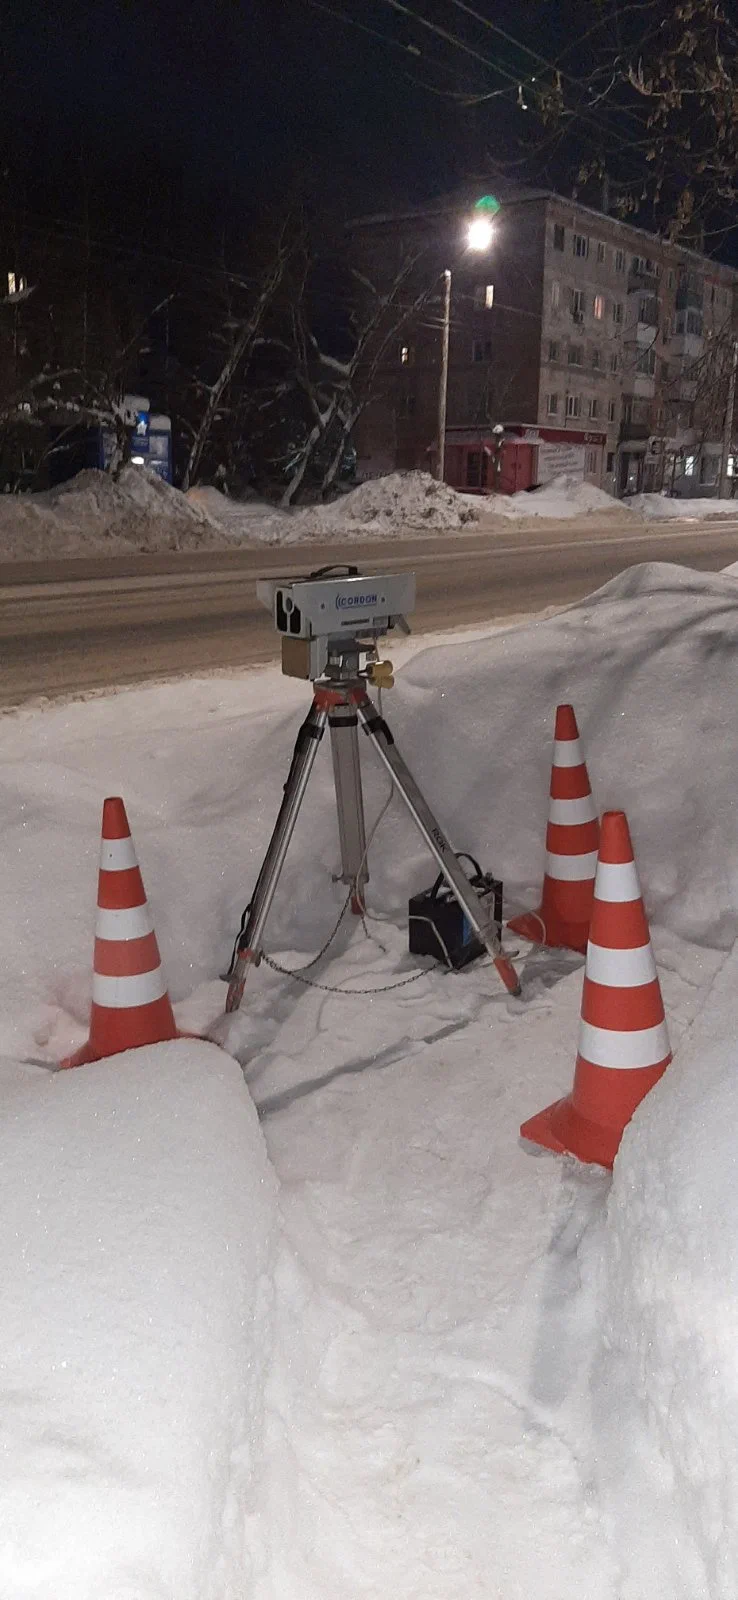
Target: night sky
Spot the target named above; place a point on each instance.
(275, 97)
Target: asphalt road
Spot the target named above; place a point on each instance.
(82, 624)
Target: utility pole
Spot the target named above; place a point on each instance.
(443, 380)
(726, 451)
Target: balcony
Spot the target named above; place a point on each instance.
(689, 296)
(646, 333)
(688, 345)
(638, 425)
(644, 386)
(640, 281)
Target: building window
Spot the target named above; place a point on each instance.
(611, 461)
(552, 405)
(709, 469)
(593, 409)
(614, 361)
(617, 312)
(573, 405)
(599, 306)
(731, 466)
(406, 405)
(689, 322)
(611, 410)
(595, 358)
(555, 294)
(670, 280)
(601, 252)
(646, 363)
(559, 236)
(577, 304)
(574, 355)
(619, 260)
(690, 463)
(591, 461)
(482, 350)
(406, 355)
(553, 349)
(484, 296)
(580, 245)
(16, 283)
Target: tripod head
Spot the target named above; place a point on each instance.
(332, 617)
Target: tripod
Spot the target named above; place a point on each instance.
(340, 700)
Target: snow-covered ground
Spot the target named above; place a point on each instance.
(93, 515)
(487, 1373)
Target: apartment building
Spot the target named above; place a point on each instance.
(573, 325)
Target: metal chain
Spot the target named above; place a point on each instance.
(331, 988)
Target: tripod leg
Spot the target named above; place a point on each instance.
(425, 822)
(249, 945)
(343, 723)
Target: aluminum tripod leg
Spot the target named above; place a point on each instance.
(425, 822)
(249, 944)
(343, 724)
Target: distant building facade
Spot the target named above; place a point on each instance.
(574, 326)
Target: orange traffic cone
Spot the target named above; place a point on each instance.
(571, 848)
(623, 1040)
(130, 1004)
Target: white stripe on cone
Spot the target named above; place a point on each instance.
(567, 753)
(119, 993)
(571, 869)
(133, 922)
(571, 812)
(117, 855)
(644, 1047)
(620, 969)
(617, 881)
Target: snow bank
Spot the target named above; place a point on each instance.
(137, 1224)
(671, 1256)
(565, 496)
(93, 513)
(662, 506)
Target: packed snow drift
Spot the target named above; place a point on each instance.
(663, 507)
(94, 513)
(483, 1377)
(137, 1232)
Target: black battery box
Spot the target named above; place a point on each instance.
(438, 927)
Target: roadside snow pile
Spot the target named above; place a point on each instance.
(565, 496)
(664, 506)
(94, 514)
(401, 503)
(138, 1219)
(671, 1256)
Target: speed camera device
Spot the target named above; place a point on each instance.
(334, 612)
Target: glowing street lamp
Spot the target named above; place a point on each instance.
(479, 236)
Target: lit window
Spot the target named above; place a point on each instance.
(731, 466)
(489, 296)
(689, 466)
(11, 283)
(552, 404)
(599, 306)
(405, 355)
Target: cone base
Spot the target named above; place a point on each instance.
(551, 931)
(562, 1129)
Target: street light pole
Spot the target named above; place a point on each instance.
(443, 379)
(728, 429)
